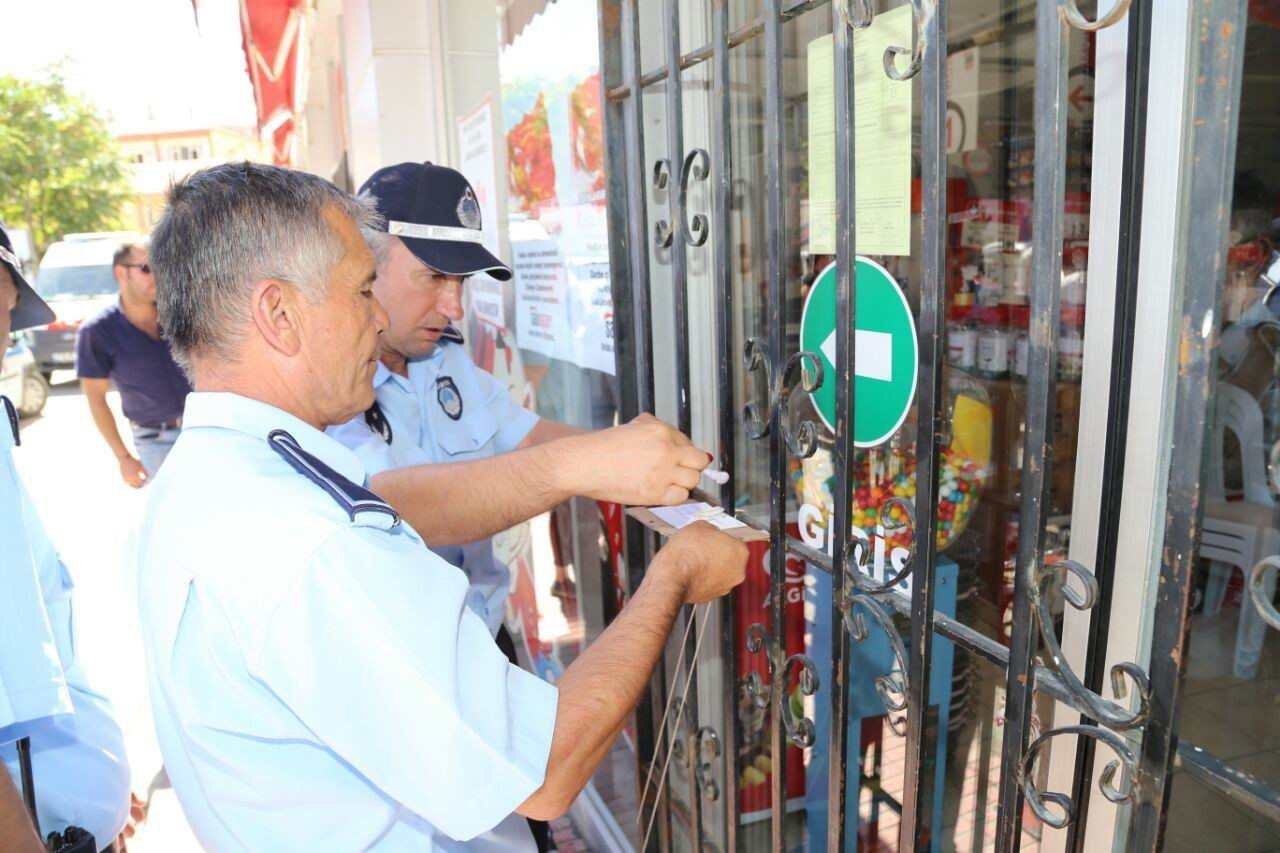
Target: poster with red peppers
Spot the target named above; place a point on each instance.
(530, 165)
(552, 111)
(586, 132)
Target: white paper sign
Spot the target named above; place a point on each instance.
(476, 162)
(683, 515)
(592, 317)
(487, 296)
(542, 299)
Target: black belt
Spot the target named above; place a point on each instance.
(174, 424)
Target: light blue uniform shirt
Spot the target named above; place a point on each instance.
(318, 682)
(446, 410)
(77, 751)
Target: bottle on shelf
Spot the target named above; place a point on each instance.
(993, 346)
(1070, 352)
(962, 334)
(1019, 341)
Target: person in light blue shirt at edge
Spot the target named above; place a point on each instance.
(80, 774)
(318, 679)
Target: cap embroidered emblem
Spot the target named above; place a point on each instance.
(469, 210)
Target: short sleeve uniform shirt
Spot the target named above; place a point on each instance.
(445, 410)
(318, 681)
(77, 751)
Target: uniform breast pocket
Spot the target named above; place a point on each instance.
(470, 435)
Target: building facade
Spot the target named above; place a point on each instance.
(158, 156)
(974, 301)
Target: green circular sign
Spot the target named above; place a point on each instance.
(885, 349)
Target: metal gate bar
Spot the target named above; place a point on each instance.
(1208, 159)
(914, 830)
(1209, 155)
(1128, 252)
(737, 37)
(1047, 231)
(843, 449)
(775, 373)
(638, 297)
(675, 239)
(1244, 788)
(727, 412)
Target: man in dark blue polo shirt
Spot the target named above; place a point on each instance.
(123, 345)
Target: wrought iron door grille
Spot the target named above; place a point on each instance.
(1140, 744)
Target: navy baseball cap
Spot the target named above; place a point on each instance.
(434, 210)
(31, 310)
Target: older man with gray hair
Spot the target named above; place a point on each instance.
(318, 681)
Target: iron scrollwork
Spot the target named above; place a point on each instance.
(1098, 708)
(703, 749)
(892, 688)
(697, 167)
(662, 231)
(803, 440)
(1258, 590)
(1075, 18)
(916, 51)
(859, 552)
(706, 749)
(800, 729)
(1126, 765)
(855, 20)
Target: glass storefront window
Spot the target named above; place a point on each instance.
(1231, 692)
(778, 220)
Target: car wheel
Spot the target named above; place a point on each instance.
(35, 393)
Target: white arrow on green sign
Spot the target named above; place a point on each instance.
(885, 351)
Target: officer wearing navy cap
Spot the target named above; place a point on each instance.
(318, 680)
(80, 775)
(489, 464)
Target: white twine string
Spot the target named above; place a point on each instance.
(666, 764)
(662, 727)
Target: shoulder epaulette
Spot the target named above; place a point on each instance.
(360, 504)
(452, 335)
(13, 419)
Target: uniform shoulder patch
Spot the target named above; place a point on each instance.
(361, 505)
(12, 417)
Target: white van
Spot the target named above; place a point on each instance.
(75, 278)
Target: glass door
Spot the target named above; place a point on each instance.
(906, 269)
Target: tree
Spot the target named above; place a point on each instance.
(60, 170)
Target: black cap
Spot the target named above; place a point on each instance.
(434, 210)
(31, 310)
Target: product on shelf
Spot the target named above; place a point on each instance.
(962, 344)
(959, 483)
(993, 348)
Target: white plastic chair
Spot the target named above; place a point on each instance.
(1238, 533)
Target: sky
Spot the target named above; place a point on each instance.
(142, 61)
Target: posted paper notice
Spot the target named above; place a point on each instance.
(683, 515)
(542, 299)
(882, 141)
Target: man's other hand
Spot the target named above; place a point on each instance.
(712, 562)
(642, 463)
(132, 472)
